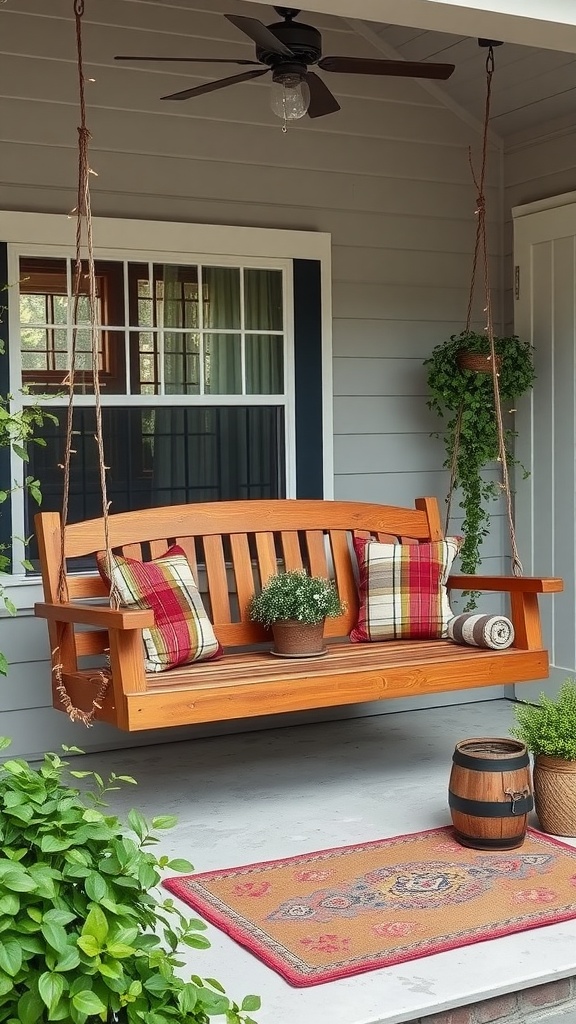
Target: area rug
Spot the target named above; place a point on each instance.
(334, 913)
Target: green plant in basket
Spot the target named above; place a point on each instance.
(296, 596)
(84, 935)
(465, 398)
(549, 727)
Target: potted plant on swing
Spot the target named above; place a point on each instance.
(461, 384)
(294, 606)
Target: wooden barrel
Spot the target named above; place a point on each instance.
(490, 793)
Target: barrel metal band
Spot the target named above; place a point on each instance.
(484, 764)
(491, 809)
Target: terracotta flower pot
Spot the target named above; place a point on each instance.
(294, 639)
(478, 362)
(555, 794)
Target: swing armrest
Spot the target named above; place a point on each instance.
(95, 615)
(508, 584)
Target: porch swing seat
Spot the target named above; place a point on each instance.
(233, 547)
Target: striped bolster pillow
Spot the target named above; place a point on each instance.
(494, 631)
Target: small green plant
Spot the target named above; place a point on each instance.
(84, 936)
(467, 398)
(296, 595)
(550, 726)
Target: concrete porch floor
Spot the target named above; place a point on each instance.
(270, 794)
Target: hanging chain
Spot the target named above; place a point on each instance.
(83, 213)
(481, 252)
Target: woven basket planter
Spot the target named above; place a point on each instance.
(295, 639)
(477, 362)
(555, 795)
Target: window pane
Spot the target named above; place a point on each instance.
(263, 307)
(222, 364)
(145, 362)
(264, 364)
(176, 295)
(34, 309)
(181, 363)
(162, 456)
(221, 294)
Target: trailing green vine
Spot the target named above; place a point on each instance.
(465, 398)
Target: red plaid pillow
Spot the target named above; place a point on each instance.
(403, 590)
(182, 632)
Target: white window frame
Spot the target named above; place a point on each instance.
(50, 235)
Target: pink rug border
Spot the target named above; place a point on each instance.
(244, 938)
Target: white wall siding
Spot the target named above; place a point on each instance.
(388, 177)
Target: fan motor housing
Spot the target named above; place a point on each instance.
(305, 42)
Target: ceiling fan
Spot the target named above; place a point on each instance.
(289, 48)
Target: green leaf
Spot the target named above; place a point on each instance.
(250, 1003)
(69, 960)
(165, 821)
(9, 904)
(10, 606)
(63, 917)
(88, 1002)
(10, 957)
(3, 664)
(18, 881)
(119, 950)
(53, 844)
(96, 924)
(157, 984)
(187, 998)
(89, 945)
(178, 864)
(96, 888)
(138, 824)
(30, 1008)
(55, 936)
(110, 970)
(20, 452)
(196, 941)
(216, 984)
(51, 988)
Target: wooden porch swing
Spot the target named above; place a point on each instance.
(234, 547)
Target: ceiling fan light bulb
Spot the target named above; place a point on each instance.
(290, 98)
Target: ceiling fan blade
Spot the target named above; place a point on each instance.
(321, 99)
(259, 34)
(195, 60)
(376, 66)
(187, 94)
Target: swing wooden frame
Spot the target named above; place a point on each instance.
(234, 547)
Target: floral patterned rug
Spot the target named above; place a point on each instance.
(334, 913)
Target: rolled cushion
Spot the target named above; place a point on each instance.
(493, 631)
(403, 590)
(182, 632)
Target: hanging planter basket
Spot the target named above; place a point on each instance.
(477, 362)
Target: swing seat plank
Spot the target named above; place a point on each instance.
(234, 547)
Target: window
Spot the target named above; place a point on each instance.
(198, 363)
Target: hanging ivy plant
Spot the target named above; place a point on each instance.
(468, 396)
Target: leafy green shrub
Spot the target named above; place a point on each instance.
(550, 726)
(296, 595)
(83, 936)
(464, 396)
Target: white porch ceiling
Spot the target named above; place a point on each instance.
(531, 86)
